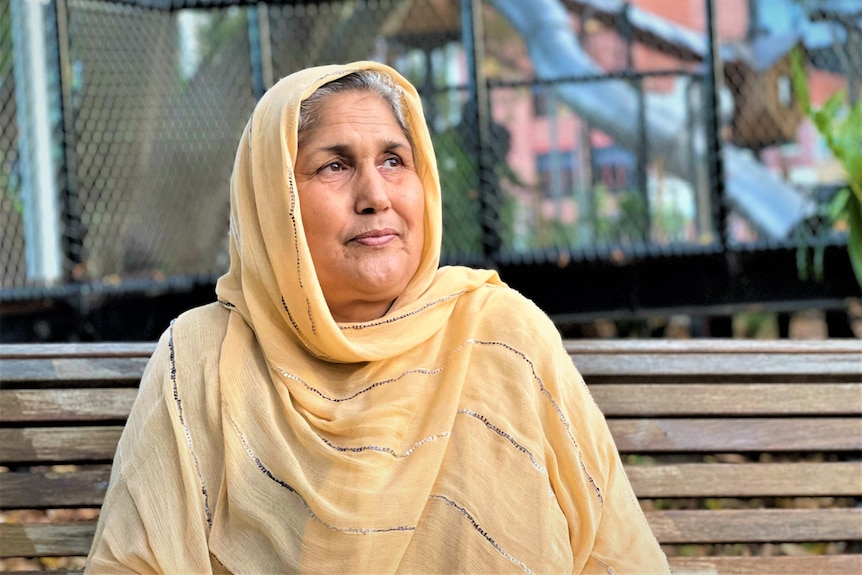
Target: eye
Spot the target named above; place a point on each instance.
(336, 166)
(392, 162)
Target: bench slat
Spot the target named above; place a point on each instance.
(704, 365)
(52, 490)
(25, 405)
(586, 346)
(70, 444)
(72, 370)
(66, 405)
(736, 435)
(86, 488)
(786, 565)
(747, 480)
(58, 445)
(654, 400)
(84, 350)
(756, 525)
(714, 346)
(669, 527)
(46, 539)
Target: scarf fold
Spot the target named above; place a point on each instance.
(271, 282)
(453, 434)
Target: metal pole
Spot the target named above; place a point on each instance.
(38, 183)
(473, 39)
(715, 162)
(265, 45)
(73, 226)
(641, 179)
(258, 87)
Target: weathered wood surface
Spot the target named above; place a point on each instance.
(51, 445)
(656, 400)
(642, 400)
(747, 480)
(86, 487)
(684, 397)
(780, 565)
(66, 405)
(737, 435)
(723, 526)
(95, 443)
(47, 490)
(76, 350)
(54, 362)
(46, 539)
(593, 347)
(72, 371)
(777, 565)
(704, 358)
(756, 525)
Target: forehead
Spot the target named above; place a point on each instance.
(360, 111)
(357, 107)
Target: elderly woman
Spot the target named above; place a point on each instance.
(348, 407)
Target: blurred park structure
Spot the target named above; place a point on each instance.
(612, 159)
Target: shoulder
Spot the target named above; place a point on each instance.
(191, 343)
(206, 324)
(505, 313)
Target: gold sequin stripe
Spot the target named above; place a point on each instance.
(387, 450)
(505, 436)
(312, 514)
(188, 433)
(481, 531)
(438, 370)
(556, 407)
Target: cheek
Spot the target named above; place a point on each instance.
(317, 220)
(414, 208)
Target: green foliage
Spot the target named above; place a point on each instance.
(840, 125)
(462, 218)
(622, 215)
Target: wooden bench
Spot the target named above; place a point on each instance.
(734, 448)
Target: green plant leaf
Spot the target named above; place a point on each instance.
(854, 238)
(838, 205)
(800, 80)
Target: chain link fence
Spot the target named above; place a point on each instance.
(598, 135)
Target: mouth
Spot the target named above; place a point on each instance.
(375, 238)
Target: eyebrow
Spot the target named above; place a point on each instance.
(345, 150)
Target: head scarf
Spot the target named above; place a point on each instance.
(453, 434)
(272, 283)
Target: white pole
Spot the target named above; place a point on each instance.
(38, 175)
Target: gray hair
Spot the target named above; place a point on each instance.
(362, 80)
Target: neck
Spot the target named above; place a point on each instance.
(358, 312)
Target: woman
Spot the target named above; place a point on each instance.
(347, 406)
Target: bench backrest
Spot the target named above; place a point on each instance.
(725, 442)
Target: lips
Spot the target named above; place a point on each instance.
(374, 238)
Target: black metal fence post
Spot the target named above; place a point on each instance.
(715, 161)
(73, 227)
(489, 195)
(255, 57)
(641, 178)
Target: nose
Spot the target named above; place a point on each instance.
(372, 191)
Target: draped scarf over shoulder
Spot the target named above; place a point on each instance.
(453, 434)
(272, 283)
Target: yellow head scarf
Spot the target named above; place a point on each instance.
(272, 283)
(272, 439)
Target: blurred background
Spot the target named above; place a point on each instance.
(639, 168)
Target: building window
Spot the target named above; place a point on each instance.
(613, 168)
(557, 173)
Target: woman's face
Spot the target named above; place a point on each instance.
(362, 205)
